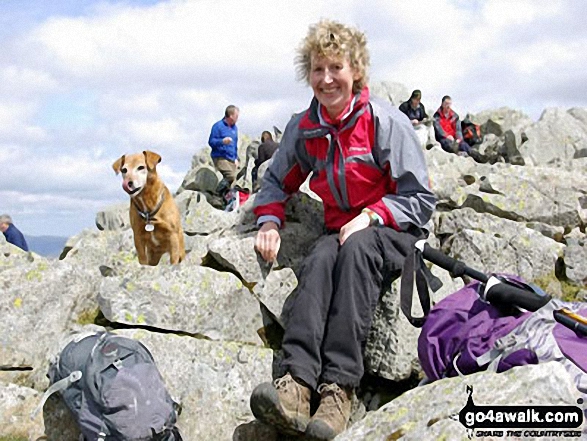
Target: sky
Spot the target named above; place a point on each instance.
(83, 82)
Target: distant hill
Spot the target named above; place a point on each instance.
(47, 246)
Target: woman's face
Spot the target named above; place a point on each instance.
(332, 82)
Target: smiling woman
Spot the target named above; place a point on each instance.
(374, 187)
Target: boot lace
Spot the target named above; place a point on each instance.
(332, 390)
(283, 382)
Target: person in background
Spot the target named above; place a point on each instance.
(12, 234)
(264, 153)
(415, 111)
(374, 187)
(447, 128)
(224, 141)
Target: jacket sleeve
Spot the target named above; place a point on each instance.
(288, 169)
(236, 143)
(16, 238)
(403, 107)
(215, 139)
(458, 128)
(398, 151)
(437, 127)
(424, 114)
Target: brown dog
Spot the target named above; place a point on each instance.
(154, 217)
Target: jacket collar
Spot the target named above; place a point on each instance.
(451, 113)
(316, 122)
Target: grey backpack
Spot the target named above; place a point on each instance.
(112, 387)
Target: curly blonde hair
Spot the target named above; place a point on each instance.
(331, 39)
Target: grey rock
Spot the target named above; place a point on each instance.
(196, 248)
(114, 218)
(490, 244)
(274, 290)
(92, 248)
(425, 413)
(199, 217)
(490, 145)
(575, 259)
(555, 233)
(502, 120)
(556, 138)
(395, 93)
(529, 255)
(238, 255)
(524, 194)
(42, 300)
(17, 404)
(203, 178)
(202, 157)
(183, 298)
(12, 256)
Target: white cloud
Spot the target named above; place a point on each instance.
(79, 91)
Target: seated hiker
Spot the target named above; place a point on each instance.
(264, 153)
(376, 201)
(447, 128)
(12, 234)
(416, 112)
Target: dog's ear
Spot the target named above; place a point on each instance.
(118, 164)
(152, 159)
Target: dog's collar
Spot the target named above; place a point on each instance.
(149, 215)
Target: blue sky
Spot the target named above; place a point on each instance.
(83, 82)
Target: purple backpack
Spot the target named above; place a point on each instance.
(463, 334)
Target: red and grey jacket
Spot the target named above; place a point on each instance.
(371, 159)
(447, 125)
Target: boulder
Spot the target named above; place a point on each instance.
(490, 244)
(114, 218)
(558, 137)
(92, 248)
(41, 300)
(498, 121)
(202, 178)
(12, 256)
(431, 412)
(199, 217)
(575, 258)
(274, 290)
(523, 194)
(395, 93)
(17, 405)
(182, 298)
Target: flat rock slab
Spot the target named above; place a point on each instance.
(425, 413)
(183, 298)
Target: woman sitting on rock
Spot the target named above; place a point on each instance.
(369, 170)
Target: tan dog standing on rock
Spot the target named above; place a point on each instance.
(154, 217)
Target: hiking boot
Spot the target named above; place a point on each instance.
(285, 404)
(334, 412)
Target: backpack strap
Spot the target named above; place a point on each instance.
(58, 386)
(415, 269)
(501, 349)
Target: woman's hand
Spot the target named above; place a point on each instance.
(268, 241)
(359, 223)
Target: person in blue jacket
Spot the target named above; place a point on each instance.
(12, 234)
(224, 141)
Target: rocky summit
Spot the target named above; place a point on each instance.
(214, 323)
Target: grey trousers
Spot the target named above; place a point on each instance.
(331, 314)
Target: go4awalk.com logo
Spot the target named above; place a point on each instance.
(521, 421)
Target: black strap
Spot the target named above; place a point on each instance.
(414, 268)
